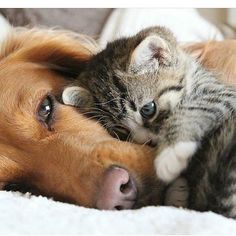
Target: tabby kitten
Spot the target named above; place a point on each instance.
(148, 88)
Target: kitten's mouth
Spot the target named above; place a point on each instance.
(124, 134)
(121, 132)
(151, 143)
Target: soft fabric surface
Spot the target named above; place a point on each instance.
(4, 28)
(187, 24)
(39, 215)
(82, 20)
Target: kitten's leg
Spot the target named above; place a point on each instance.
(179, 139)
(177, 193)
(174, 159)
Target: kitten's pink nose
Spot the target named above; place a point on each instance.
(118, 190)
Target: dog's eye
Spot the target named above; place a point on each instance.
(148, 110)
(45, 110)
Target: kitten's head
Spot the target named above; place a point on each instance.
(133, 83)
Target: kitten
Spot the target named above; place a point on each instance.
(146, 87)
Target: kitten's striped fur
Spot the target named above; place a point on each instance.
(194, 126)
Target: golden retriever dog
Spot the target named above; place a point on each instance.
(55, 151)
(218, 56)
(50, 147)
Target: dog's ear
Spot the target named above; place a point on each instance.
(196, 50)
(61, 57)
(78, 97)
(62, 51)
(152, 52)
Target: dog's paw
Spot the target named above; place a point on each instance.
(173, 160)
(177, 193)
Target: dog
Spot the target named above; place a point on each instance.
(51, 148)
(55, 151)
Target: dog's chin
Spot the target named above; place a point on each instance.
(21, 187)
(150, 192)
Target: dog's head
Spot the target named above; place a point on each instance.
(51, 147)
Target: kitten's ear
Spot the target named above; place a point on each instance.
(152, 52)
(78, 97)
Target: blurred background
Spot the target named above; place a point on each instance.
(107, 24)
(91, 21)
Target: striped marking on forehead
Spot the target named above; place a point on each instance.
(121, 87)
(169, 89)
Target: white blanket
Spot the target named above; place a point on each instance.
(25, 214)
(187, 24)
(4, 28)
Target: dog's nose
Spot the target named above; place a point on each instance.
(118, 190)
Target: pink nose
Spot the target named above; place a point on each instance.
(118, 190)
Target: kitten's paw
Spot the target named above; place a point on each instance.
(77, 96)
(173, 160)
(177, 193)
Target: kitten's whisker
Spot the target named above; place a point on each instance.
(145, 143)
(107, 113)
(104, 103)
(128, 139)
(117, 136)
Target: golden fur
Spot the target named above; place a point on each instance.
(67, 163)
(219, 56)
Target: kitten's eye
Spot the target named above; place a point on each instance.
(148, 110)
